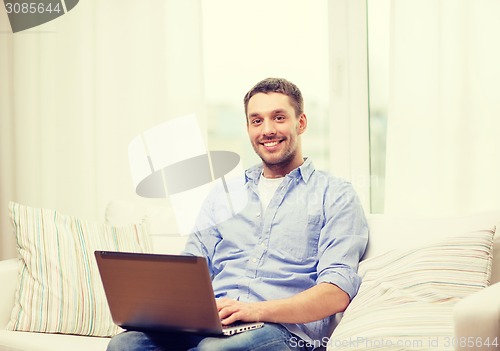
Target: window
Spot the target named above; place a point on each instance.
(378, 18)
(244, 42)
(322, 46)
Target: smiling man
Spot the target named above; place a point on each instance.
(290, 257)
(274, 127)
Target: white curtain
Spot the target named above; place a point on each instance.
(76, 90)
(443, 137)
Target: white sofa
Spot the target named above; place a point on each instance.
(475, 317)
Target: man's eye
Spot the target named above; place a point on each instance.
(280, 118)
(256, 121)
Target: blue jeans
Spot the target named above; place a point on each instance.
(271, 337)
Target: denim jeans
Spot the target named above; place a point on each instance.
(271, 337)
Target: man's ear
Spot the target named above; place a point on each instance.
(302, 125)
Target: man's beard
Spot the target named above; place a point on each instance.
(282, 157)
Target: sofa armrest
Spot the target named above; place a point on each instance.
(477, 320)
(8, 277)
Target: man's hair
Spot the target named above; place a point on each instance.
(277, 85)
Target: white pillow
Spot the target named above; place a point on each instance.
(406, 298)
(164, 233)
(60, 290)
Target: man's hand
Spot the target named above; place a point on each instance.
(231, 311)
(313, 304)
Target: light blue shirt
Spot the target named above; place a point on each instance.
(314, 230)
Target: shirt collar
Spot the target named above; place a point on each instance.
(304, 172)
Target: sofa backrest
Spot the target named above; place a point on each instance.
(8, 277)
(388, 232)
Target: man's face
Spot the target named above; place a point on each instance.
(274, 129)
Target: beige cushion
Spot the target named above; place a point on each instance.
(60, 290)
(407, 296)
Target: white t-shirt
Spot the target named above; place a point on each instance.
(267, 187)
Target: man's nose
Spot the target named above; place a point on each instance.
(268, 127)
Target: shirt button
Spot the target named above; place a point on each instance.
(254, 260)
(262, 244)
(258, 214)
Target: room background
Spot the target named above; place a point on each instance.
(402, 96)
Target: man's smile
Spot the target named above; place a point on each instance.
(271, 144)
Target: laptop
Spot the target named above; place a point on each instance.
(162, 292)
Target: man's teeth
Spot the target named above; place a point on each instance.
(272, 143)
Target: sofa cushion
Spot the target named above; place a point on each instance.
(406, 299)
(22, 341)
(59, 289)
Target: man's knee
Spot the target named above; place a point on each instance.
(127, 341)
(269, 338)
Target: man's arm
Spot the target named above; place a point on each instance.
(316, 303)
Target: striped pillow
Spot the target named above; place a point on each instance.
(406, 299)
(59, 289)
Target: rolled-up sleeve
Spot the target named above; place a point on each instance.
(343, 239)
